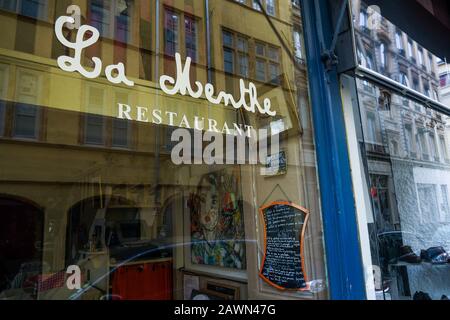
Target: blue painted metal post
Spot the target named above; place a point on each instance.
(344, 262)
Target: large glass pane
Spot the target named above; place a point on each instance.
(405, 148)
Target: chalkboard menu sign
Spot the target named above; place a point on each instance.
(284, 228)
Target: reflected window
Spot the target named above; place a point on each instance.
(444, 80)
(384, 101)
(432, 143)
(408, 139)
(298, 45)
(25, 121)
(94, 121)
(235, 54)
(420, 56)
(363, 18)
(383, 57)
(429, 63)
(228, 59)
(423, 145)
(121, 128)
(120, 135)
(417, 190)
(444, 148)
(428, 203)
(171, 34)
(2, 118)
(399, 42)
(260, 70)
(271, 7)
(404, 79)
(256, 4)
(112, 18)
(371, 128)
(267, 63)
(31, 8)
(410, 49)
(445, 202)
(191, 37)
(26, 113)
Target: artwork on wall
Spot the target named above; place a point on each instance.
(217, 225)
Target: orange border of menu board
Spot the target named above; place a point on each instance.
(302, 238)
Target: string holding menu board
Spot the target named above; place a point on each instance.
(283, 263)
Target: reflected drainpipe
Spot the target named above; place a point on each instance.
(157, 40)
(158, 128)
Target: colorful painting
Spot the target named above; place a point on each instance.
(217, 225)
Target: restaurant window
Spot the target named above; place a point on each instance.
(423, 144)
(409, 253)
(416, 84)
(25, 121)
(133, 186)
(369, 61)
(428, 203)
(274, 65)
(406, 249)
(384, 102)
